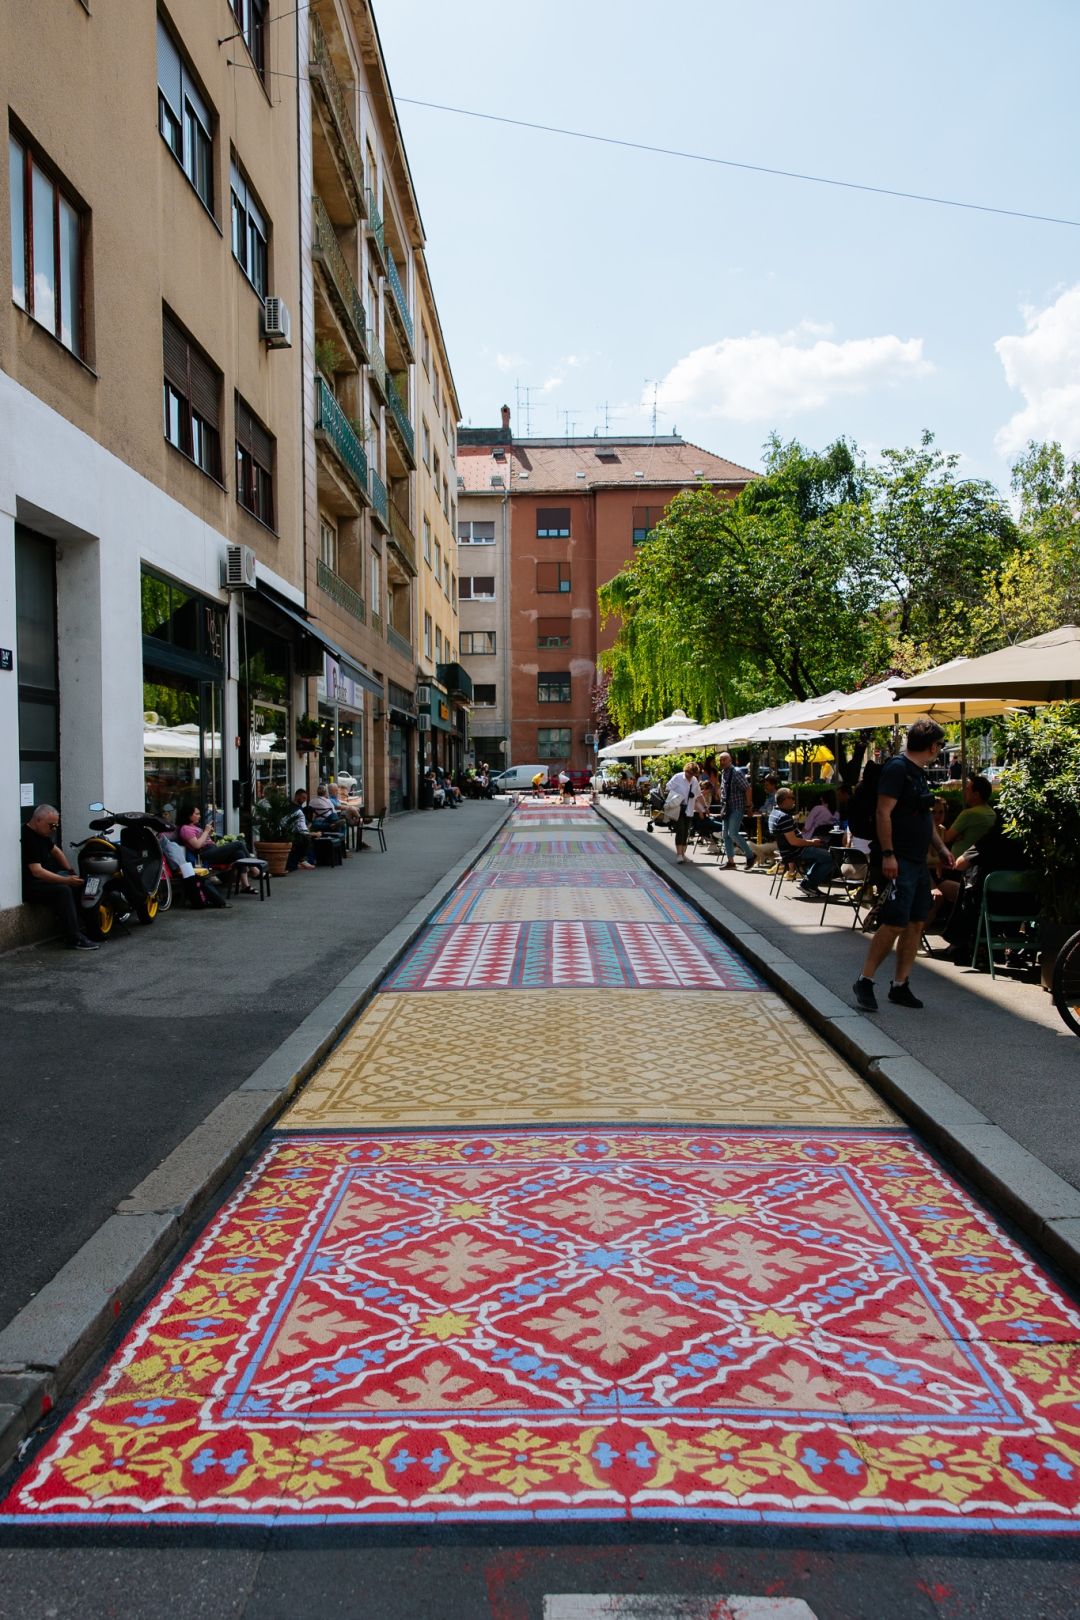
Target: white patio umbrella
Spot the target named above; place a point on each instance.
(881, 706)
(1045, 669)
(650, 740)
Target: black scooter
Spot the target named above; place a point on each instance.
(122, 873)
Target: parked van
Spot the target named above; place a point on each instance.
(518, 779)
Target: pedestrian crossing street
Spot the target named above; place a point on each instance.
(579, 1221)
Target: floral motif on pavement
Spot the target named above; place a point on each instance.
(647, 1323)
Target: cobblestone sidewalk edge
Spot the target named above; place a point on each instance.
(1043, 1204)
(45, 1347)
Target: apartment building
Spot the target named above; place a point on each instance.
(445, 688)
(577, 508)
(483, 533)
(149, 418)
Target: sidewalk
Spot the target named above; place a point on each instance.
(110, 1061)
(998, 1045)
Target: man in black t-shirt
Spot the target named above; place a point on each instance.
(904, 832)
(47, 877)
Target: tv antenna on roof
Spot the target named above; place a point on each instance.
(604, 411)
(524, 390)
(655, 412)
(569, 416)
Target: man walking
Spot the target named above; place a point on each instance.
(734, 791)
(904, 831)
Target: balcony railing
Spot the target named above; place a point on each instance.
(377, 362)
(401, 643)
(402, 536)
(458, 682)
(324, 77)
(399, 300)
(375, 226)
(327, 249)
(339, 592)
(380, 501)
(334, 425)
(401, 418)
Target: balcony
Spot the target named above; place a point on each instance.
(400, 643)
(334, 430)
(338, 591)
(380, 501)
(375, 228)
(457, 681)
(400, 424)
(337, 120)
(402, 538)
(326, 250)
(399, 308)
(377, 363)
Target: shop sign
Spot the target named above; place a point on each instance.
(334, 686)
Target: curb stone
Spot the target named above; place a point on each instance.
(50, 1341)
(1043, 1204)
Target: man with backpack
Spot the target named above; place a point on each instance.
(904, 832)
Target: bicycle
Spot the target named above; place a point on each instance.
(1065, 982)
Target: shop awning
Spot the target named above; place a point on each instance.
(349, 666)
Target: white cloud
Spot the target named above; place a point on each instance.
(1044, 365)
(509, 362)
(766, 375)
(551, 384)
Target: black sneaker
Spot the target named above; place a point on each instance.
(751, 863)
(808, 889)
(900, 995)
(84, 944)
(864, 994)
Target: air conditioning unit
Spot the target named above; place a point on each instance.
(423, 722)
(277, 327)
(423, 696)
(238, 569)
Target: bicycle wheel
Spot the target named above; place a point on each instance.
(1065, 986)
(163, 892)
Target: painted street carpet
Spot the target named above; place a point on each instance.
(748, 1326)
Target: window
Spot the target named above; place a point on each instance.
(553, 523)
(438, 645)
(553, 688)
(476, 534)
(645, 519)
(481, 588)
(435, 389)
(327, 544)
(446, 575)
(376, 580)
(477, 642)
(251, 21)
(254, 465)
(553, 576)
(553, 632)
(425, 347)
(483, 697)
(47, 227)
(184, 119)
(192, 399)
(446, 496)
(438, 563)
(427, 541)
(425, 440)
(436, 471)
(427, 635)
(249, 234)
(553, 742)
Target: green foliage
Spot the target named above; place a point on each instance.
(1040, 801)
(273, 816)
(1038, 587)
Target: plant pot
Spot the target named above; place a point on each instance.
(275, 855)
(307, 745)
(1052, 936)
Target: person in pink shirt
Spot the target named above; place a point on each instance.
(199, 841)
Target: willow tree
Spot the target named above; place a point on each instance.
(734, 604)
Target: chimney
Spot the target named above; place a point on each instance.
(506, 418)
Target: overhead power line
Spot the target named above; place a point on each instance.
(734, 163)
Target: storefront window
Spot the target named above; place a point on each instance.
(183, 693)
(264, 682)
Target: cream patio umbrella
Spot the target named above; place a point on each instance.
(1045, 669)
(880, 705)
(652, 739)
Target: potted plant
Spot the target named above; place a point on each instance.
(307, 734)
(273, 817)
(1039, 803)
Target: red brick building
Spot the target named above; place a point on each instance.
(577, 507)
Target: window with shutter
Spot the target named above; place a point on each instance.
(553, 523)
(192, 399)
(254, 465)
(553, 632)
(184, 118)
(552, 577)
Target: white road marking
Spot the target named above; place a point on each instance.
(633, 1606)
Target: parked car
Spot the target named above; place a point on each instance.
(518, 779)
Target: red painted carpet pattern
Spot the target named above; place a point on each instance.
(617, 1323)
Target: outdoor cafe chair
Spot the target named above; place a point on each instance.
(375, 824)
(1020, 887)
(854, 889)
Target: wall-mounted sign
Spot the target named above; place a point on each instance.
(7, 660)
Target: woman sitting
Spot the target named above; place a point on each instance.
(822, 816)
(199, 841)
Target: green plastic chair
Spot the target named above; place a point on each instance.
(995, 885)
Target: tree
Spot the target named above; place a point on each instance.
(1038, 587)
(932, 540)
(732, 604)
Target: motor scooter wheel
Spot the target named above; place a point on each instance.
(163, 892)
(148, 910)
(104, 920)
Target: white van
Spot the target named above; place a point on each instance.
(518, 779)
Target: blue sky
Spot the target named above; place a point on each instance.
(591, 272)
